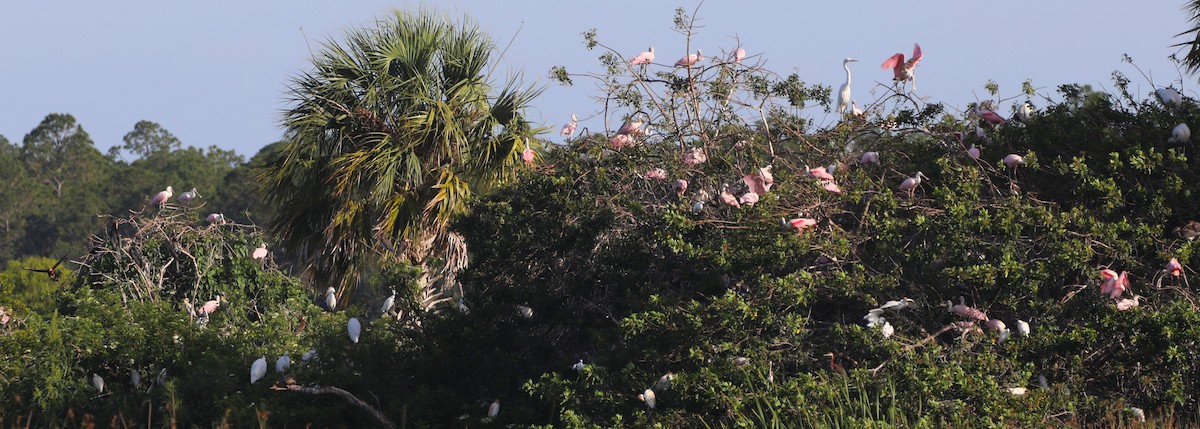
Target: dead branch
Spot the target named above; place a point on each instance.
(346, 396)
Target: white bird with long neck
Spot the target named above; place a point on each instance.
(844, 92)
(331, 299)
(388, 303)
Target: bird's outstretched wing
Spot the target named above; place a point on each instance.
(893, 61)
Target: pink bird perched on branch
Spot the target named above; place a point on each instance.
(162, 197)
(1128, 303)
(799, 224)
(728, 198)
(690, 60)
(694, 157)
(749, 198)
(973, 152)
(1013, 160)
(621, 140)
(1173, 267)
(963, 310)
(819, 173)
(904, 70)
(989, 116)
(643, 58)
(869, 158)
(569, 128)
(527, 155)
(657, 174)
(1114, 284)
(739, 54)
(910, 184)
(760, 182)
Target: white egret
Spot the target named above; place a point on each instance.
(135, 378)
(282, 364)
(494, 409)
(98, 382)
(1181, 134)
(665, 382)
(844, 92)
(330, 299)
(1023, 328)
(388, 303)
(525, 312)
(258, 369)
(354, 329)
(1169, 97)
(578, 366)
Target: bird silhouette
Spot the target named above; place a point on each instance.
(52, 272)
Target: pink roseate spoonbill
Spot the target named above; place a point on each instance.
(1169, 97)
(818, 173)
(162, 197)
(1181, 134)
(690, 60)
(260, 252)
(767, 178)
(966, 311)
(188, 196)
(680, 186)
(1128, 303)
(657, 174)
(527, 155)
(210, 306)
(989, 116)
(631, 127)
(1174, 268)
(739, 54)
(755, 183)
(728, 198)
(831, 187)
(1114, 284)
(844, 91)
(1107, 279)
(694, 156)
(648, 398)
(869, 158)
(620, 141)
(643, 58)
(1023, 113)
(569, 128)
(215, 219)
(1013, 160)
(910, 184)
(494, 409)
(748, 198)
(973, 152)
(258, 369)
(904, 70)
(995, 325)
(799, 224)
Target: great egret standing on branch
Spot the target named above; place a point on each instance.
(844, 92)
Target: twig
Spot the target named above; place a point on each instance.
(347, 396)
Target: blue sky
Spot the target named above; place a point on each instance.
(215, 72)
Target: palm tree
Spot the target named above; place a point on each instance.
(387, 138)
(1191, 61)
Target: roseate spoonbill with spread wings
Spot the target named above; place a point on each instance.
(844, 91)
(1174, 268)
(648, 398)
(643, 58)
(258, 369)
(52, 272)
(494, 409)
(188, 196)
(690, 60)
(1114, 284)
(904, 70)
(388, 303)
(162, 197)
(569, 128)
(283, 363)
(330, 299)
(98, 382)
(215, 219)
(1013, 160)
(988, 115)
(1169, 97)
(1181, 134)
(910, 184)
(353, 329)
(760, 182)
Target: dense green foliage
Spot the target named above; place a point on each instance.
(591, 256)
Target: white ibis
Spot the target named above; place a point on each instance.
(282, 364)
(354, 329)
(258, 369)
(578, 366)
(844, 92)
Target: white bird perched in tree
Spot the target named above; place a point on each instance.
(98, 382)
(665, 382)
(1181, 134)
(648, 398)
(215, 219)
(354, 329)
(897, 305)
(188, 196)
(494, 409)
(283, 363)
(844, 92)
(525, 312)
(388, 303)
(308, 355)
(1023, 113)
(135, 378)
(1023, 328)
(258, 369)
(887, 330)
(161, 380)
(1004, 334)
(1169, 97)
(162, 197)
(854, 109)
(331, 299)
(578, 366)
